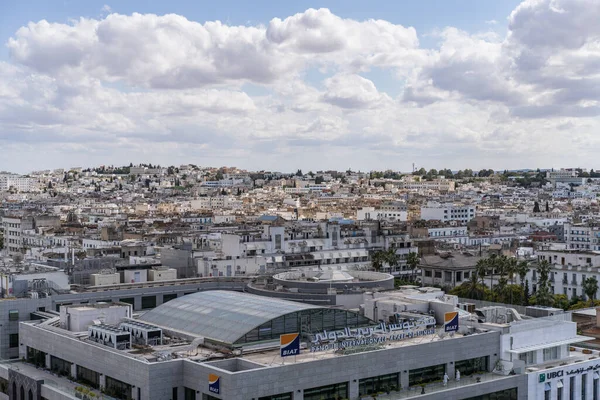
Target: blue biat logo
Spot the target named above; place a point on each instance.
(451, 321)
(214, 383)
(289, 344)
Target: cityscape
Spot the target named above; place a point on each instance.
(300, 200)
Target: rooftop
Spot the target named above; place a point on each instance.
(223, 316)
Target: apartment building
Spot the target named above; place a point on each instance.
(448, 212)
(582, 236)
(16, 182)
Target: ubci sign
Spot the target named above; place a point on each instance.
(546, 376)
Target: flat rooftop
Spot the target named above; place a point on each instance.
(271, 356)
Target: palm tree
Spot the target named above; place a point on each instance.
(473, 288)
(481, 269)
(502, 266)
(522, 270)
(542, 295)
(511, 269)
(378, 259)
(590, 287)
(492, 262)
(412, 261)
(392, 258)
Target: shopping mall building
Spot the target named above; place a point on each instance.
(230, 345)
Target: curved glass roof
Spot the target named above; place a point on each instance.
(220, 315)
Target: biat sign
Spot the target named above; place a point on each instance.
(214, 383)
(289, 344)
(451, 321)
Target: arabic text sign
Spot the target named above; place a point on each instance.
(381, 329)
(354, 342)
(546, 376)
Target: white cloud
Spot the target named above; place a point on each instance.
(352, 92)
(106, 8)
(166, 89)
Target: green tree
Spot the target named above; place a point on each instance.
(471, 289)
(522, 269)
(299, 172)
(543, 296)
(392, 258)
(536, 207)
(511, 294)
(501, 266)
(481, 269)
(590, 287)
(561, 301)
(378, 260)
(526, 293)
(412, 261)
(493, 263)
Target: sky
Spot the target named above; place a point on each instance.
(281, 85)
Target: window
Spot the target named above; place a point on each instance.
(438, 274)
(471, 366)
(559, 390)
(92, 378)
(572, 388)
(36, 357)
(284, 396)
(338, 390)
(148, 302)
(13, 315)
(428, 273)
(189, 394)
(426, 374)
(583, 386)
(551, 353)
(527, 357)
(447, 276)
(507, 394)
(382, 383)
(60, 366)
(128, 300)
(118, 389)
(13, 340)
(169, 297)
(595, 389)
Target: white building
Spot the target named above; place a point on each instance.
(447, 212)
(582, 237)
(13, 234)
(16, 182)
(371, 213)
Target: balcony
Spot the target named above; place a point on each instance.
(417, 391)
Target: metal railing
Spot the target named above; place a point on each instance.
(420, 390)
